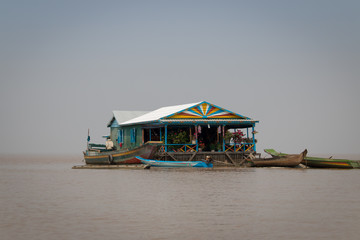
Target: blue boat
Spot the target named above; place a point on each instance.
(178, 164)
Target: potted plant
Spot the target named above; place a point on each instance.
(212, 147)
(193, 140)
(201, 146)
(238, 136)
(219, 147)
(228, 136)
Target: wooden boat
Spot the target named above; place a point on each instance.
(317, 162)
(280, 161)
(101, 156)
(178, 164)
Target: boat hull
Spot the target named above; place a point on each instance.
(175, 164)
(97, 159)
(329, 163)
(316, 162)
(281, 161)
(121, 157)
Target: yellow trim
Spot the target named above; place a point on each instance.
(195, 109)
(184, 116)
(192, 148)
(213, 110)
(93, 157)
(181, 149)
(336, 163)
(125, 153)
(231, 148)
(239, 147)
(157, 142)
(250, 147)
(204, 108)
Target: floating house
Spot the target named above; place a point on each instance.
(187, 132)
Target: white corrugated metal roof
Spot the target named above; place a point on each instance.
(123, 116)
(159, 113)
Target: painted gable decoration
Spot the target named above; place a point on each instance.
(205, 110)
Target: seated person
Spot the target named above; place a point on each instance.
(109, 144)
(208, 159)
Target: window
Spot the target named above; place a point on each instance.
(120, 136)
(133, 135)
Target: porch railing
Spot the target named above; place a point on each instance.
(179, 147)
(238, 147)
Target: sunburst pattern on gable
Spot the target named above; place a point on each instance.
(205, 110)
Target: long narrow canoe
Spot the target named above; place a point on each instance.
(99, 157)
(178, 164)
(317, 162)
(280, 161)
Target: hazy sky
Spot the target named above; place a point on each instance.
(292, 65)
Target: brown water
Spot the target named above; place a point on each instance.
(46, 199)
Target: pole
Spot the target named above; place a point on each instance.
(196, 137)
(166, 147)
(223, 134)
(88, 139)
(160, 134)
(253, 136)
(190, 135)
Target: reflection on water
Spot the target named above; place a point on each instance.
(46, 199)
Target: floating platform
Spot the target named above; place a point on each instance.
(93, 166)
(141, 167)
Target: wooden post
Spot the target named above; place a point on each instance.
(233, 162)
(143, 135)
(223, 133)
(234, 140)
(190, 135)
(88, 138)
(171, 156)
(166, 138)
(160, 134)
(196, 137)
(253, 135)
(192, 157)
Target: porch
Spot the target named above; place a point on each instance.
(232, 142)
(228, 147)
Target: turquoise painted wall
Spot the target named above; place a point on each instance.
(114, 136)
(127, 144)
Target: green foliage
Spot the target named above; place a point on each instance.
(180, 137)
(228, 136)
(236, 136)
(218, 147)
